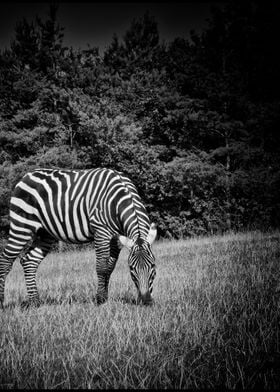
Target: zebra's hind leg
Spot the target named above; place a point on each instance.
(107, 252)
(30, 263)
(18, 238)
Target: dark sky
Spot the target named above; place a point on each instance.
(95, 23)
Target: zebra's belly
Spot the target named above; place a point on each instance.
(78, 239)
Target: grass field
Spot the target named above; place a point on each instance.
(215, 321)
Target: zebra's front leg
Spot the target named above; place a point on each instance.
(107, 252)
(30, 269)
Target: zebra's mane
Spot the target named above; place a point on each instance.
(135, 207)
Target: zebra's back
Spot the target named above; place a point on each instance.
(63, 202)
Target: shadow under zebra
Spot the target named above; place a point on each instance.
(48, 300)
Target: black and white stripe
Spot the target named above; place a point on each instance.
(79, 206)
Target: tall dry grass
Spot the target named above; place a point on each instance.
(215, 321)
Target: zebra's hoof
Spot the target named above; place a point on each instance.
(30, 303)
(100, 299)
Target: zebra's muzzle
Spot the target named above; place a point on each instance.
(145, 299)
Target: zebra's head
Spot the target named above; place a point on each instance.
(142, 264)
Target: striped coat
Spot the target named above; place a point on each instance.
(79, 206)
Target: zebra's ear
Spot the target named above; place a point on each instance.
(125, 241)
(152, 234)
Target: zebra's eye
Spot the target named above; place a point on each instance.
(134, 279)
(153, 274)
(133, 275)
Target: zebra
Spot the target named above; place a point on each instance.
(79, 206)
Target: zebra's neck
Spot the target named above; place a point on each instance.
(132, 215)
(120, 207)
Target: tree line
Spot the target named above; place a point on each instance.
(194, 122)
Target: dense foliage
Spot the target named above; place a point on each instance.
(194, 123)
